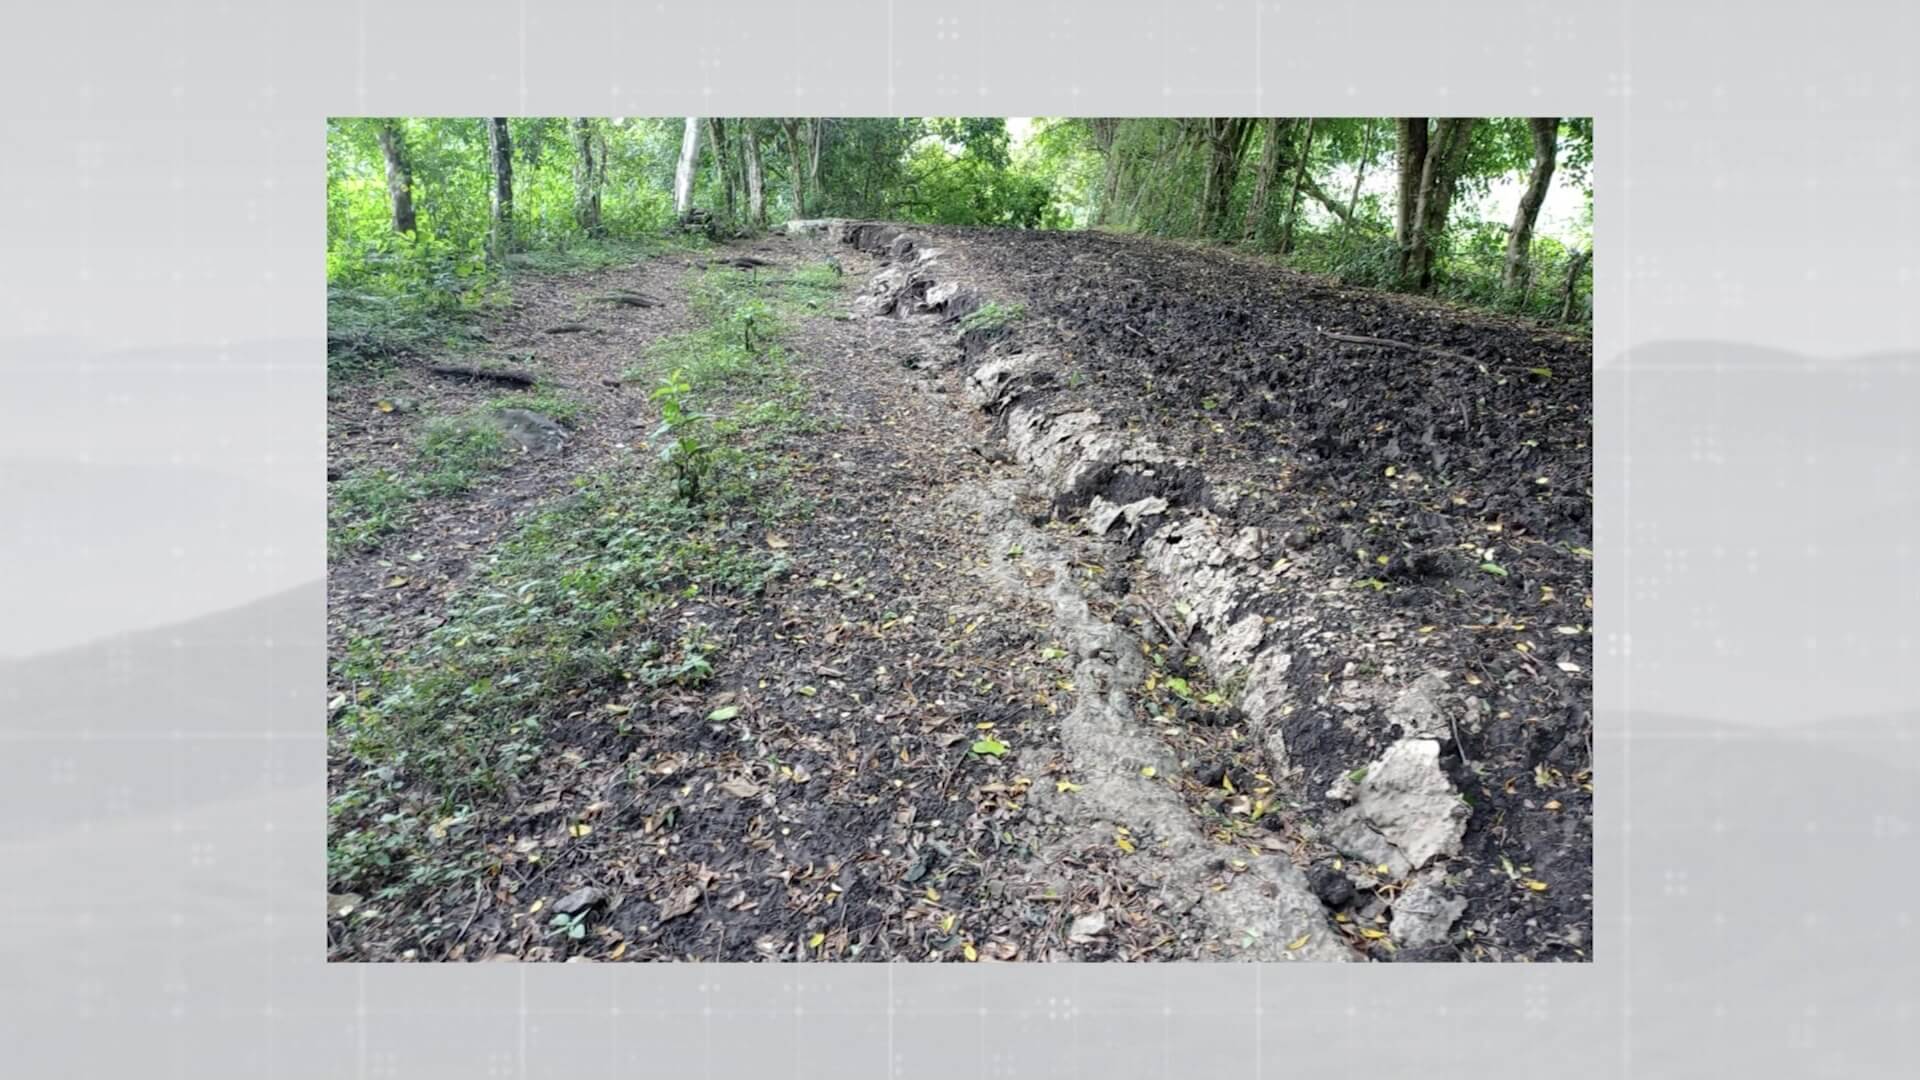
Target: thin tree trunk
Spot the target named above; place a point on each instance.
(1574, 266)
(689, 162)
(722, 165)
(1546, 135)
(1104, 130)
(1270, 158)
(393, 147)
(816, 138)
(1359, 175)
(1226, 140)
(500, 149)
(756, 189)
(1299, 174)
(796, 166)
(586, 178)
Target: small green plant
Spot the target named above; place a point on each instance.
(991, 315)
(573, 926)
(687, 456)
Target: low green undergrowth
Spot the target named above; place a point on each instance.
(453, 455)
(597, 601)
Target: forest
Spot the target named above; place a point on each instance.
(431, 209)
(959, 540)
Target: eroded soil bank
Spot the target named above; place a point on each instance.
(1066, 597)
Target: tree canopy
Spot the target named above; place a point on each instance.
(1496, 212)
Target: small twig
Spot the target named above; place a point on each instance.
(1172, 638)
(1362, 339)
(1460, 747)
(479, 899)
(1129, 328)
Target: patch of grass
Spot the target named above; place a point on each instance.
(370, 326)
(808, 285)
(453, 455)
(568, 613)
(563, 616)
(546, 401)
(455, 452)
(587, 255)
(365, 507)
(991, 315)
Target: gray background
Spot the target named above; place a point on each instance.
(161, 538)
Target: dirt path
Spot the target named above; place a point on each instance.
(958, 724)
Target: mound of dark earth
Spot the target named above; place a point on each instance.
(1370, 518)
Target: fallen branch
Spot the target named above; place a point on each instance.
(629, 299)
(568, 328)
(1362, 339)
(462, 371)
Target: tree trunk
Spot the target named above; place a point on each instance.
(722, 161)
(500, 149)
(393, 147)
(1574, 266)
(1445, 153)
(1429, 172)
(1226, 138)
(1359, 175)
(1271, 157)
(1104, 129)
(756, 189)
(689, 162)
(816, 138)
(1410, 155)
(586, 178)
(1546, 136)
(1140, 182)
(1299, 175)
(796, 166)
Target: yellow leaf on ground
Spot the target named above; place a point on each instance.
(816, 941)
(970, 952)
(579, 829)
(1536, 886)
(1298, 943)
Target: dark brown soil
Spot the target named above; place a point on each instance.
(1447, 499)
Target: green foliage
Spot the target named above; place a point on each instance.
(991, 315)
(686, 453)
(564, 615)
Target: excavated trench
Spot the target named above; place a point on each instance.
(1371, 864)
